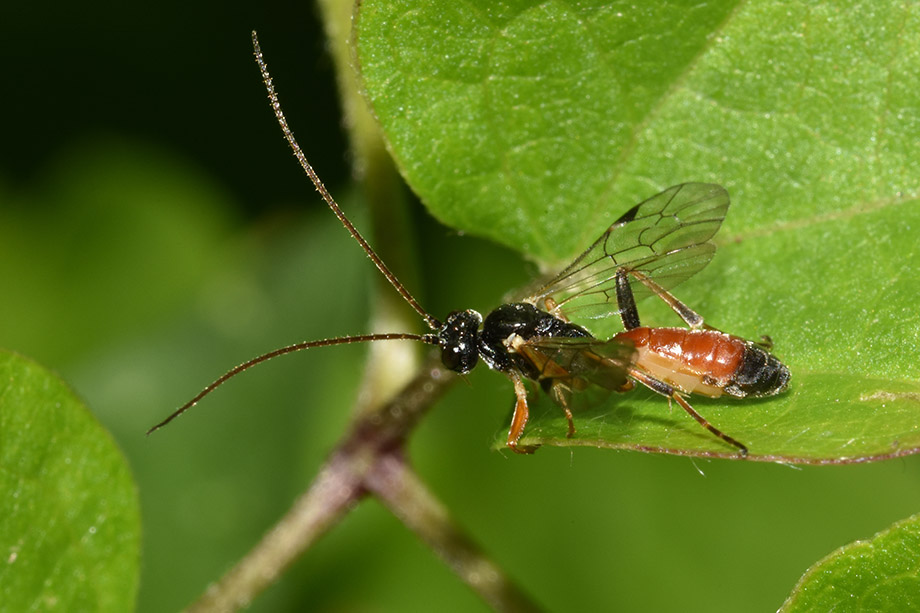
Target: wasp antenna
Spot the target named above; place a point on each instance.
(432, 322)
(341, 340)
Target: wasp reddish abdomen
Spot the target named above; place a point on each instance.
(707, 362)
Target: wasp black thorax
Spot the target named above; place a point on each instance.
(462, 343)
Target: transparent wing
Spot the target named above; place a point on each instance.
(666, 238)
(594, 361)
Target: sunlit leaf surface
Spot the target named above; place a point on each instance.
(537, 124)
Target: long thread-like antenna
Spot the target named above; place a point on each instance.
(342, 340)
(432, 322)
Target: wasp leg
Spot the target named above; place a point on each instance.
(560, 394)
(691, 317)
(672, 394)
(626, 301)
(765, 342)
(521, 414)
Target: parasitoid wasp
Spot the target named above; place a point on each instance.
(650, 249)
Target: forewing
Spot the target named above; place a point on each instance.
(597, 362)
(666, 238)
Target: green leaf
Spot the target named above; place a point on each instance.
(537, 124)
(881, 574)
(71, 523)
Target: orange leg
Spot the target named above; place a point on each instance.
(521, 414)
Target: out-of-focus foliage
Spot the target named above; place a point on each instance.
(71, 526)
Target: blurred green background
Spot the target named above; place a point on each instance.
(154, 231)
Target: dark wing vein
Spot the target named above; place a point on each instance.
(666, 238)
